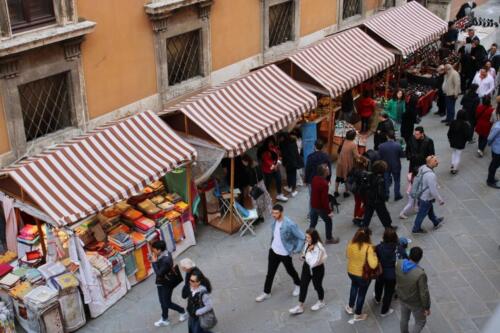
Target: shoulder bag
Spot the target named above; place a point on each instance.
(368, 272)
(174, 277)
(208, 320)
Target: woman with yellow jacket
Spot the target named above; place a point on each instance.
(359, 250)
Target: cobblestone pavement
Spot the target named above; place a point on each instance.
(462, 261)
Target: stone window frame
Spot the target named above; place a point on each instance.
(21, 74)
(274, 52)
(64, 11)
(162, 14)
(350, 21)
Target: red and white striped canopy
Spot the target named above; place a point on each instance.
(408, 27)
(343, 61)
(86, 174)
(242, 112)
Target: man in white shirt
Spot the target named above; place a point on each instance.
(287, 239)
(485, 82)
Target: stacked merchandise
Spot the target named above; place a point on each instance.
(27, 240)
(44, 310)
(6, 319)
(121, 241)
(69, 298)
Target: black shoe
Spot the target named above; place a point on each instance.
(444, 121)
(336, 194)
(493, 185)
(421, 231)
(440, 224)
(394, 227)
(357, 222)
(346, 194)
(398, 198)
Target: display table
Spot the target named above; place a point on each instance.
(425, 102)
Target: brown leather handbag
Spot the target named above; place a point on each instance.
(368, 272)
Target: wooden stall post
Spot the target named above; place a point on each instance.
(331, 127)
(387, 78)
(188, 181)
(40, 231)
(232, 196)
(186, 125)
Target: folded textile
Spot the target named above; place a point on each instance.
(173, 197)
(9, 280)
(40, 295)
(129, 261)
(21, 290)
(131, 214)
(32, 241)
(166, 206)
(28, 230)
(100, 263)
(5, 268)
(20, 271)
(33, 275)
(181, 207)
(51, 269)
(158, 199)
(148, 207)
(172, 215)
(137, 238)
(65, 281)
(144, 223)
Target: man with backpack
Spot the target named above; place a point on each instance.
(425, 190)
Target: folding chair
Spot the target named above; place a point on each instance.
(224, 200)
(246, 222)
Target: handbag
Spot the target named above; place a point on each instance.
(368, 272)
(208, 320)
(174, 277)
(256, 191)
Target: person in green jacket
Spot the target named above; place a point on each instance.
(395, 108)
(412, 290)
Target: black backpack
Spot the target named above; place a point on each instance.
(361, 182)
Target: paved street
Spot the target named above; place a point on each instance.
(462, 261)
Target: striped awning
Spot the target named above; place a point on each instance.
(242, 112)
(343, 61)
(408, 27)
(86, 174)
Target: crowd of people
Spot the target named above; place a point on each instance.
(369, 178)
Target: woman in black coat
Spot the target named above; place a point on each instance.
(409, 118)
(292, 161)
(470, 102)
(458, 135)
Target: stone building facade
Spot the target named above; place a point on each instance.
(67, 66)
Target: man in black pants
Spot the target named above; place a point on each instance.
(162, 263)
(376, 198)
(287, 238)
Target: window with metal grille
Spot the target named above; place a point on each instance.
(45, 105)
(184, 56)
(351, 8)
(25, 14)
(280, 23)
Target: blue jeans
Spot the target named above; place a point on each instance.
(194, 325)
(268, 179)
(450, 108)
(317, 213)
(359, 287)
(425, 208)
(388, 178)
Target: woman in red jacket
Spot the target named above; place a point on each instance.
(366, 107)
(271, 161)
(320, 203)
(483, 123)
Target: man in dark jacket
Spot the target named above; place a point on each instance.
(441, 105)
(450, 37)
(384, 126)
(467, 65)
(292, 161)
(163, 263)
(465, 9)
(419, 147)
(478, 54)
(315, 159)
(376, 198)
(391, 152)
(412, 290)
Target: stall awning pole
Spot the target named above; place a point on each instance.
(188, 181)
(387, 77)
(331, 127)
(232, 196)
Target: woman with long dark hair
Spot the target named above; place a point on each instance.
(395, 108)
(262, 202)
(314, 256)
(359, 250)
(199, 301)
(409, 118)
(483, 123)
(458, 135)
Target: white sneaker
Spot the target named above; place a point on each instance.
(318, 305)
(262, 297)
(296, 291)
(288, 189)
(480, 153)
(296, 310)
(403, 216)
(356, 318)
(281, 197)
(183, 316)
(349, 310)
(375, 299)
(390, 311)
(162, 323)
(294, 194)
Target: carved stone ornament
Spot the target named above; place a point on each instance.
(9, 67)
(72, 48)
(159, 11)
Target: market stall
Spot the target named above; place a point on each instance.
(410, 32)
(83, 213)
(335, 69)
(239, 114)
